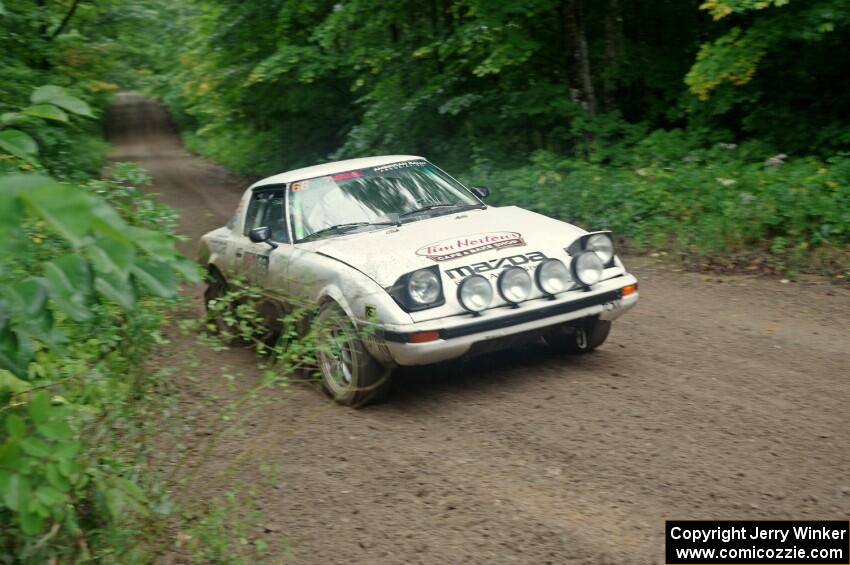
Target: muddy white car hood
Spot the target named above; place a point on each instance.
(474, 235)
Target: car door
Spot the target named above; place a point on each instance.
(261, 263)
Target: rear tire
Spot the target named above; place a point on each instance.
(350, 375)
(577, 338)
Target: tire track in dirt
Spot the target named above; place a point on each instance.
(718, 397)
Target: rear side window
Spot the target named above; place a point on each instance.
(267, 209)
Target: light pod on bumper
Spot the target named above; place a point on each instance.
(552, 277)
(514, 285)
(602, 245)
(587, 268)
(475, 293)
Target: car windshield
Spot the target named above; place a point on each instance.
(400, 192)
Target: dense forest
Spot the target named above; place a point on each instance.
(717, 131)
(713, 128)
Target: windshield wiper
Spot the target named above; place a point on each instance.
(438, 205)
(342, 228)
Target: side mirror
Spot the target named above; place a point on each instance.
(481, 192)
(262, 235)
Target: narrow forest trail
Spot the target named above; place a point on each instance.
(717, 397)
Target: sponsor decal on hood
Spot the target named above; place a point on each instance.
(458, 247)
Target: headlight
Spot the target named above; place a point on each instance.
(514, 285)
(603, 245)
(418, 290)
(475, 293)
(424, 287)
(587, 268)
(552, 276)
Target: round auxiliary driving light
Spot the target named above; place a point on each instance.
(475, 293)
(552, 276)
(602, 245)
(424, 287)
(587, 268)
(514, 285)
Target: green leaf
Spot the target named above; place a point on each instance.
(10, 383)
(188, 268)
(27, 297)
(13, 356)
(14, 488)
(31, 523)
(27, 302)
(158, 245)
(40, 407)
(158, 277)
(58, 96)
(8, 118)
(15, 426)
(107, 221)
(36, 447)
(14, 183)
(112, 255)
(64, 453)
(19, 144)
(46, 93)
(118, 288)
(10, 217)
(47, 112)
(3, 11)
(56, 429)
(50, 496)
(10, 455)
(55, 478)
(65, 209)
(70, 283)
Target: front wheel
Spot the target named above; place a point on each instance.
(579, 337)
(350, 375)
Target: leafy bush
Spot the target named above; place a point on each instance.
(670, 193)
(83, 286)
(75, 324)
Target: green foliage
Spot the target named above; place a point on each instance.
(264, 88)
(672, 194)
(82, 285)
(75, 325)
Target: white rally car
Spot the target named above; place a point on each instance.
(395, 245)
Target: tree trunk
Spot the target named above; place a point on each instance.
(613, 48)
(68, 15)
(581, 81)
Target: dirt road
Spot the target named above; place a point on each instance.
(718, 397)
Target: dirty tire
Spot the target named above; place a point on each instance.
(578, 338)
(350, 375)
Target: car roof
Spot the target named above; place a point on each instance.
(332, 168)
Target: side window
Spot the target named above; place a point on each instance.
(267, 209)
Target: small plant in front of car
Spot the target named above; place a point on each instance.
(291, 333)
(298, 341)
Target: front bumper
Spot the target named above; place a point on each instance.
(457, 334)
